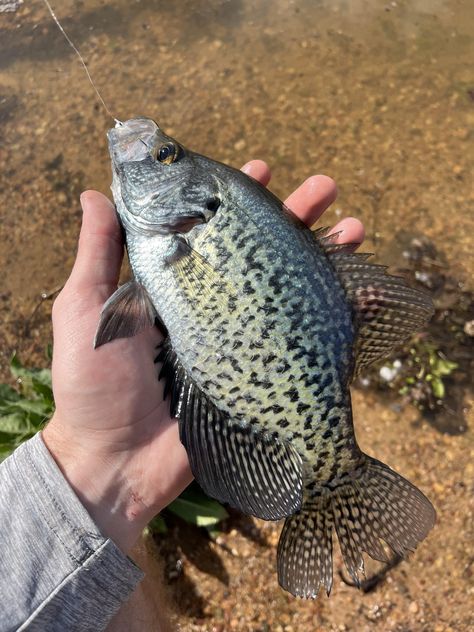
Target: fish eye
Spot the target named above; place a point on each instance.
(167, 153)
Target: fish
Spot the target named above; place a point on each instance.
(266, 324)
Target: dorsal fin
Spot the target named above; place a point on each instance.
(253, 471)
(386, 309)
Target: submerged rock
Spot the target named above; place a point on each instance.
(10, 5)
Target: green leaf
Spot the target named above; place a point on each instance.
(35, 406)
(28, 376)
(445, 367)
(437, 387)
(195, 507)
(41, 376)
(14, 424)
(16, 367)
(23, 413)
(7, 393)
(44, 390)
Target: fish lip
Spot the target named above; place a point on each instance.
(123, 145)
(139, 124)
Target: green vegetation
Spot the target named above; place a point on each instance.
(24, 411)
(194, 507)
(429, 369)
(420, 374)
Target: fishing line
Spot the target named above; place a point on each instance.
(71, 44)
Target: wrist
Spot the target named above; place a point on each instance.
(106, 482)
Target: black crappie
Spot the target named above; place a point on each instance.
(266, 324)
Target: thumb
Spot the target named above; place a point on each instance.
(100, 251)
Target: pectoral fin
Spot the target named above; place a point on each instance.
(198, 279)
(128, 311)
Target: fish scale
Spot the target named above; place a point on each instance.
(265, 324)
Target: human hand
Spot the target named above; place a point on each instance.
(111, 434)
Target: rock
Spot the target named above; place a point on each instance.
(469, 328)
(7, 6)
(413, 607)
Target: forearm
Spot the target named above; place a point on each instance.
(58, 571)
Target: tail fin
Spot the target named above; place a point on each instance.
(378, 504)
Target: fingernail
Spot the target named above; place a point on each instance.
(247, 168)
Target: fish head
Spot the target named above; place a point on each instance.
(159, 187)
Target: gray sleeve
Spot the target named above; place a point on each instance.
(57, 572)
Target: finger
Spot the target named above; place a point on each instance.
(100, 250)
(258, 170)
(312, 198)
(351, 231)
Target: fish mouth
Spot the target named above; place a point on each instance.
(132, 140)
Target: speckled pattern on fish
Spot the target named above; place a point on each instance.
(266, 323)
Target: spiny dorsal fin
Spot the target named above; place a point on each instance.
(249, 470)
(127, 311)
(387, 310)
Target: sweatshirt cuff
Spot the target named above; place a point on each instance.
(71, 571)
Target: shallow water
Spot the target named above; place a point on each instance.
(379, 95)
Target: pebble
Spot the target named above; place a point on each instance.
(413, 607)
(469, 328)
(61, 197)
(12, 5)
